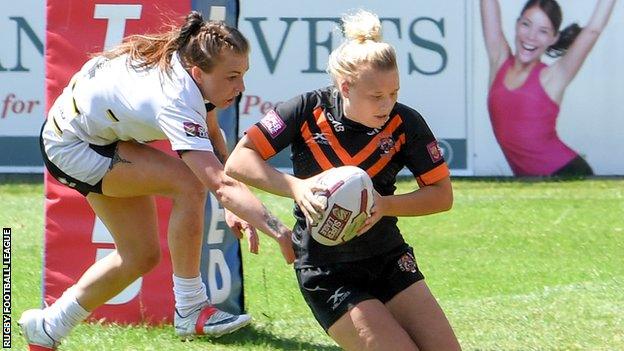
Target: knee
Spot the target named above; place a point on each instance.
(142, 262)
(190, 190)
(368, 339)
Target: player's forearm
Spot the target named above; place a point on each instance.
(426, 200)
(232, 194)
(237, 198)
(216, 136)
(247, 166)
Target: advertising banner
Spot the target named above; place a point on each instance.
(441, 56)
(292, 41)
(22, 107)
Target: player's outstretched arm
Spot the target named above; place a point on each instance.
(237, 198)
(246, 165)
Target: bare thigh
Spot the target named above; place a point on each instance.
(418, 312)
(139, 169)
(370, 326)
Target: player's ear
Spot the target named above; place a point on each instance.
(344, 87)
(196, 73)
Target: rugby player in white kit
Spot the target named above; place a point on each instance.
(151, 87)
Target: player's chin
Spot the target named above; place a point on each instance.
(225, 103)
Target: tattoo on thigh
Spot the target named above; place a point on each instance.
(117, 159)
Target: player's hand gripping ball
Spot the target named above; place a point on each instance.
(348, 199)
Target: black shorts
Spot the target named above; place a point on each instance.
(330, 291)
(107, 151)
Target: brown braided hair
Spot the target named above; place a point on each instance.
(199, 43)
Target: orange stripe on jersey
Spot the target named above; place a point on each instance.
(261, 143)
(385, 159)
(364, 153)
(374, 143)
(322, 122)
(434, 175)
(318, 154)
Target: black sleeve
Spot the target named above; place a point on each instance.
(421, 152)
(277, 129)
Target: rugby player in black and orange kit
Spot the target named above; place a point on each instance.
(368, 293)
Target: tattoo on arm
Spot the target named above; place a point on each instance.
(117, 159)
(271, 221)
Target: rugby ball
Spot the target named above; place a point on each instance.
(348, 198)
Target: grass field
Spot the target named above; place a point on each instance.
(516, 265)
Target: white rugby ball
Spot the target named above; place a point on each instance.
(349, 198)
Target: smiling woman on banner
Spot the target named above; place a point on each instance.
(525, 94)
(151, 87)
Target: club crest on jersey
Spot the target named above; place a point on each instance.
(386, 144)
(407, 263)
(336, 220)
(195, 130)
(273, 124)
(434, 151)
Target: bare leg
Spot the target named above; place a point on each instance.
(418, 312)
(132, 223)
(370, 326)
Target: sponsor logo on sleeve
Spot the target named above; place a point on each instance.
(434, 151)
(195, 130)
(273, 124)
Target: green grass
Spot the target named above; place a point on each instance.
(516, 265)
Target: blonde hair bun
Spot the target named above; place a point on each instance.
(362, 26)
(363, 48)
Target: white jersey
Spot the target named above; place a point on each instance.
(115, 102)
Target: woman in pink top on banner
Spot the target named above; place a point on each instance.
(525, 94)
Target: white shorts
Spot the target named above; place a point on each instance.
(74, 162)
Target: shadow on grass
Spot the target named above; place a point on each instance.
(258, 337)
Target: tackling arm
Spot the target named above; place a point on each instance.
(237, 198)
(246, 165)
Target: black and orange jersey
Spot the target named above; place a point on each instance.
(321, 137)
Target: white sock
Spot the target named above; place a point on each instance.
(64, 314)
(188, 293)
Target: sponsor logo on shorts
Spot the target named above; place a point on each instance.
(335, 222)
(273, 124)
(407, 263)
(338, 297)
(195, 130)
(434, 151)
